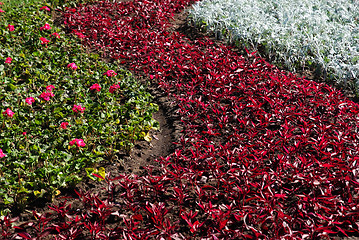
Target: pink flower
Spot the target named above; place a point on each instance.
(11, 27)
(110, 73)
(96, 87)
(2, 154)
(8, 113)
(30, 100)
(64, 125)
(45, 8)
(72, 65)
(78, 108)
(80, 35)
(46, 95)
(78, 142)
(50, 87)
(114, 87)
(55, 34)
(72, 142)
(44, 40)
(45, 27)
(8, 60)
(1, 10)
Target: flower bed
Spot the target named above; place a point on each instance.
(62, 108)
(321, 34)
(263, 154)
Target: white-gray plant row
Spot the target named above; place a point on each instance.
(298, 32)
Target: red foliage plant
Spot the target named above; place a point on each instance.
(263, 153)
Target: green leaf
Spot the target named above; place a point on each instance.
(39, 194)
(8, 200)
(147, 137)
(89, 172)
(12, 86)
(102, 172)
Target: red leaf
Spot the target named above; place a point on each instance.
(138, 217)
(340, 229)
(25, 235)
(194, 227)
(223, 224)
(280, 195)
(98, 176)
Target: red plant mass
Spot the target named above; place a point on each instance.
(263, 153)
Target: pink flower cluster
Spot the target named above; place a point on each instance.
(8, 113)
(114, 87)
(72, 66)
(77, 142)
(64, 125)
(110, 73)
(80, 35)
(49, 88)
(45, 27)
(78, 108)
(45, 8)
(44, 40)
(96, 87)
(55, 34)
(11, 27)
(2, 154)
(1, 11)
(48, 94)
(8, 60)
(30, 100)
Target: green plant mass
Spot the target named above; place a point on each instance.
(62, 108)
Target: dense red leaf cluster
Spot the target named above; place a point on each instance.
(263, 153)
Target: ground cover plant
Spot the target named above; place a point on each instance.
(321, 34)
(263, 153)
(63, 109)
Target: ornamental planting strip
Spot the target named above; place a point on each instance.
(263, 153)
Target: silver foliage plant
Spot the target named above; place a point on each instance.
(297, 32)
